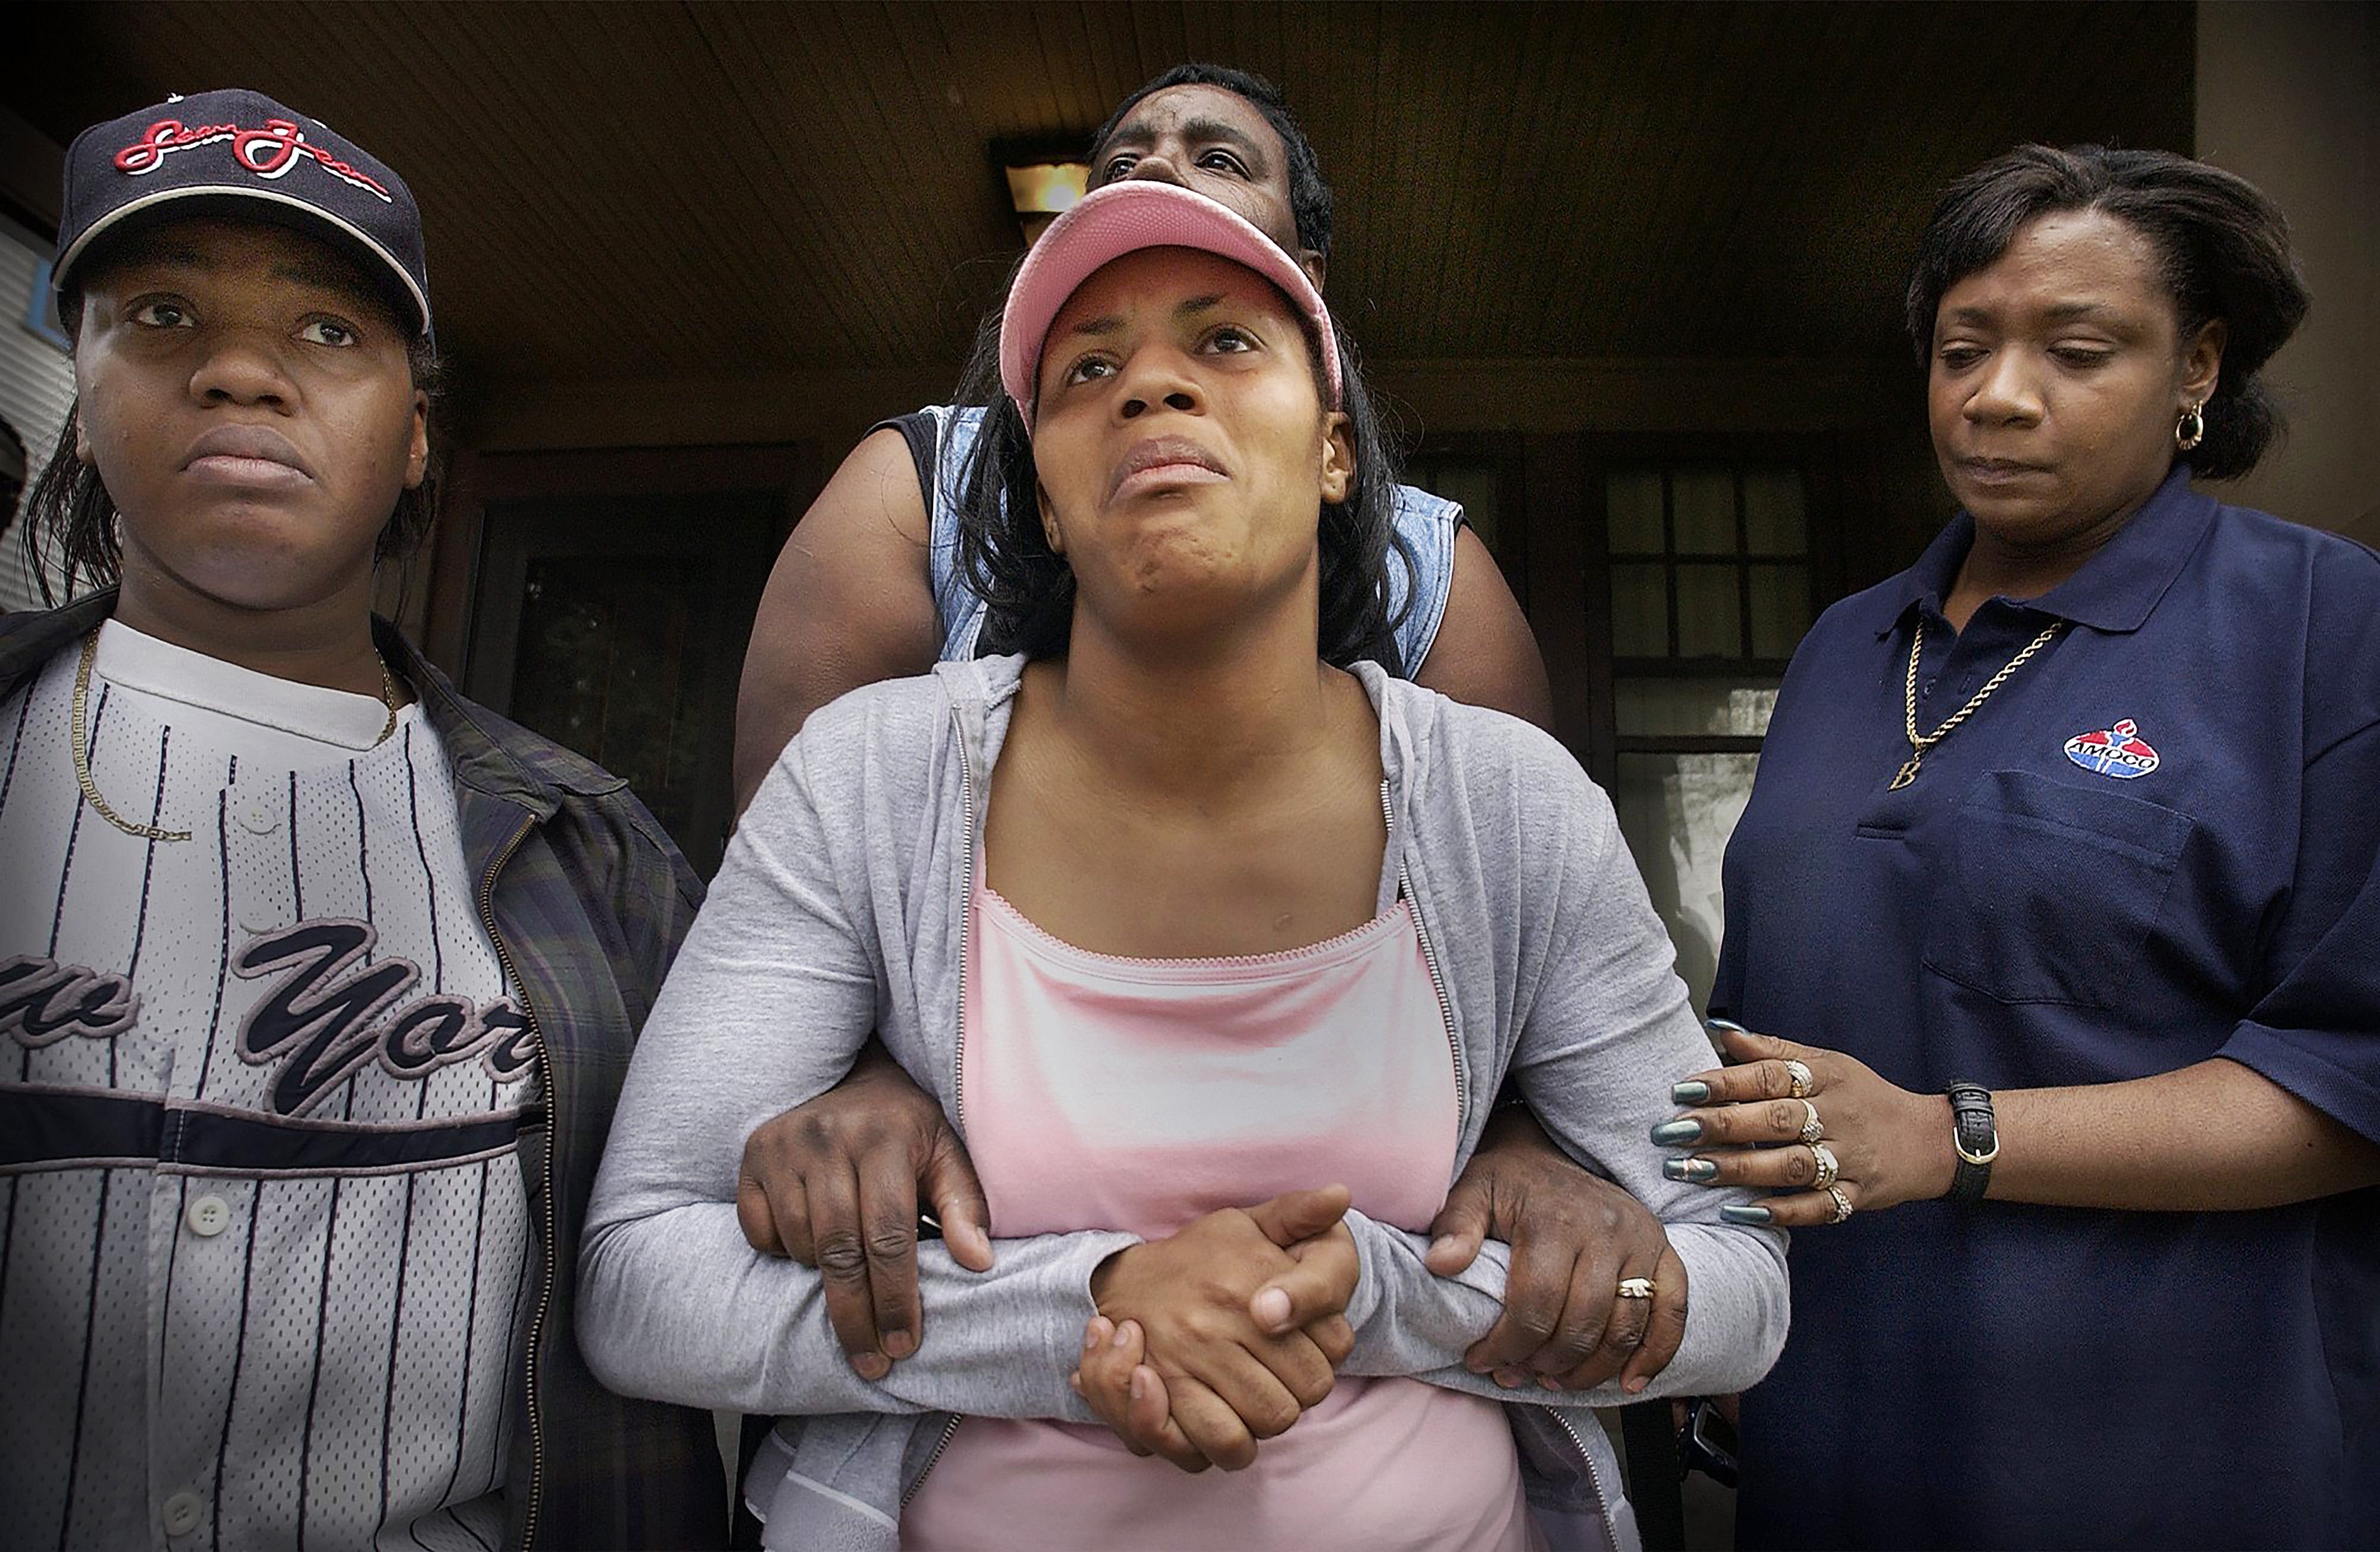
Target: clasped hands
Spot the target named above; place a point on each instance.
(836, 1183)
(1223, 1333)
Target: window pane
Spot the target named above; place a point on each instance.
(1632, 507)
(1469, 481)
(1640, 612)
(1710, 622)
(1676, 812)
(1692, 708)
(1773, 516)
(1704, 505)
(1780, 609)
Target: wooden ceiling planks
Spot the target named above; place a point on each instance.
(769, 146)
(673, 190)
(597, 188)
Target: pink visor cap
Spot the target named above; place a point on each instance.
(1124, 218)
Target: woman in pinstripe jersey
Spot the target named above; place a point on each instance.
(315, 978)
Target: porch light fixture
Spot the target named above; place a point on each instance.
(1042, 191)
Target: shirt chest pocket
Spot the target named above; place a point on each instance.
(2050, 890)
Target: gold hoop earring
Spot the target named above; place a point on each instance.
(2191, 428)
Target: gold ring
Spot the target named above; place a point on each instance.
(1798, 1074)
(1635, 1288)
(1842, 1203)
(1810, 1129)
(1828, 1167)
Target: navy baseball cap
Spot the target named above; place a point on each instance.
(241, 152)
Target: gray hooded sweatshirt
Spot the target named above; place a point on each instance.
(841, 909)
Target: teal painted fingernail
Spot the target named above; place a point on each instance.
(1686, 1129)
(1694, 1170)
(1735, 1212)
(1689, 1093)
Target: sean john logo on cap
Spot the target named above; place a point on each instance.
(2118, 751)
(268, 152)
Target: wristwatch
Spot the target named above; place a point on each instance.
(1975, 1137)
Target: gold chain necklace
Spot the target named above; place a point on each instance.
(78, 742)
(1920, 743)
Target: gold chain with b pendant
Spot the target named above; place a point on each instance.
(1920, 743)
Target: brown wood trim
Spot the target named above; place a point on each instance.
(1700, 668)
(454, 564)
(476, 480)
(623, 471)
(706, 413)
(1688, 744)
(1565, 528)
(1703, 397)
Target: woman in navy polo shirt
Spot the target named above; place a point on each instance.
(2058, 878)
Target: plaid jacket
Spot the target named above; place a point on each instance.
(589, 901)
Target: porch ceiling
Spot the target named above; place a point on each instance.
(705, 190)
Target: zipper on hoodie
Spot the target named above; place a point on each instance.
(1436, 980)
(967, 910)
(949, 1430)
(958, 1043)
(1593, 1477)
(1462, 1113)
(552, 1122)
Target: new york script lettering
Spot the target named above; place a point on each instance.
(42, 1002)
(327, 1018)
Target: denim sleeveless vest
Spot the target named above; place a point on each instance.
(1424, 522)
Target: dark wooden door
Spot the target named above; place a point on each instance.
(617, 625)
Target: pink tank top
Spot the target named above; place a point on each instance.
(1113, 1093)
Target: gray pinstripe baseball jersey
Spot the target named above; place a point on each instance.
(263, 1237)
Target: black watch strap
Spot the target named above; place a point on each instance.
(1976, 1138)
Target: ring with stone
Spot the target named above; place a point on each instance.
(1828, 1167)
(1842, 1203)
(1797, 1075)
(1811, 1129)
(1635, 1288)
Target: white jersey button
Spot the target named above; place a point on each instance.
(257, 820)
(182, 1513)
(207, 1216)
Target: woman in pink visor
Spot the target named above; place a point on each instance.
(1217, 943)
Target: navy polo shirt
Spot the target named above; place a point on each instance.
(2156, 844)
